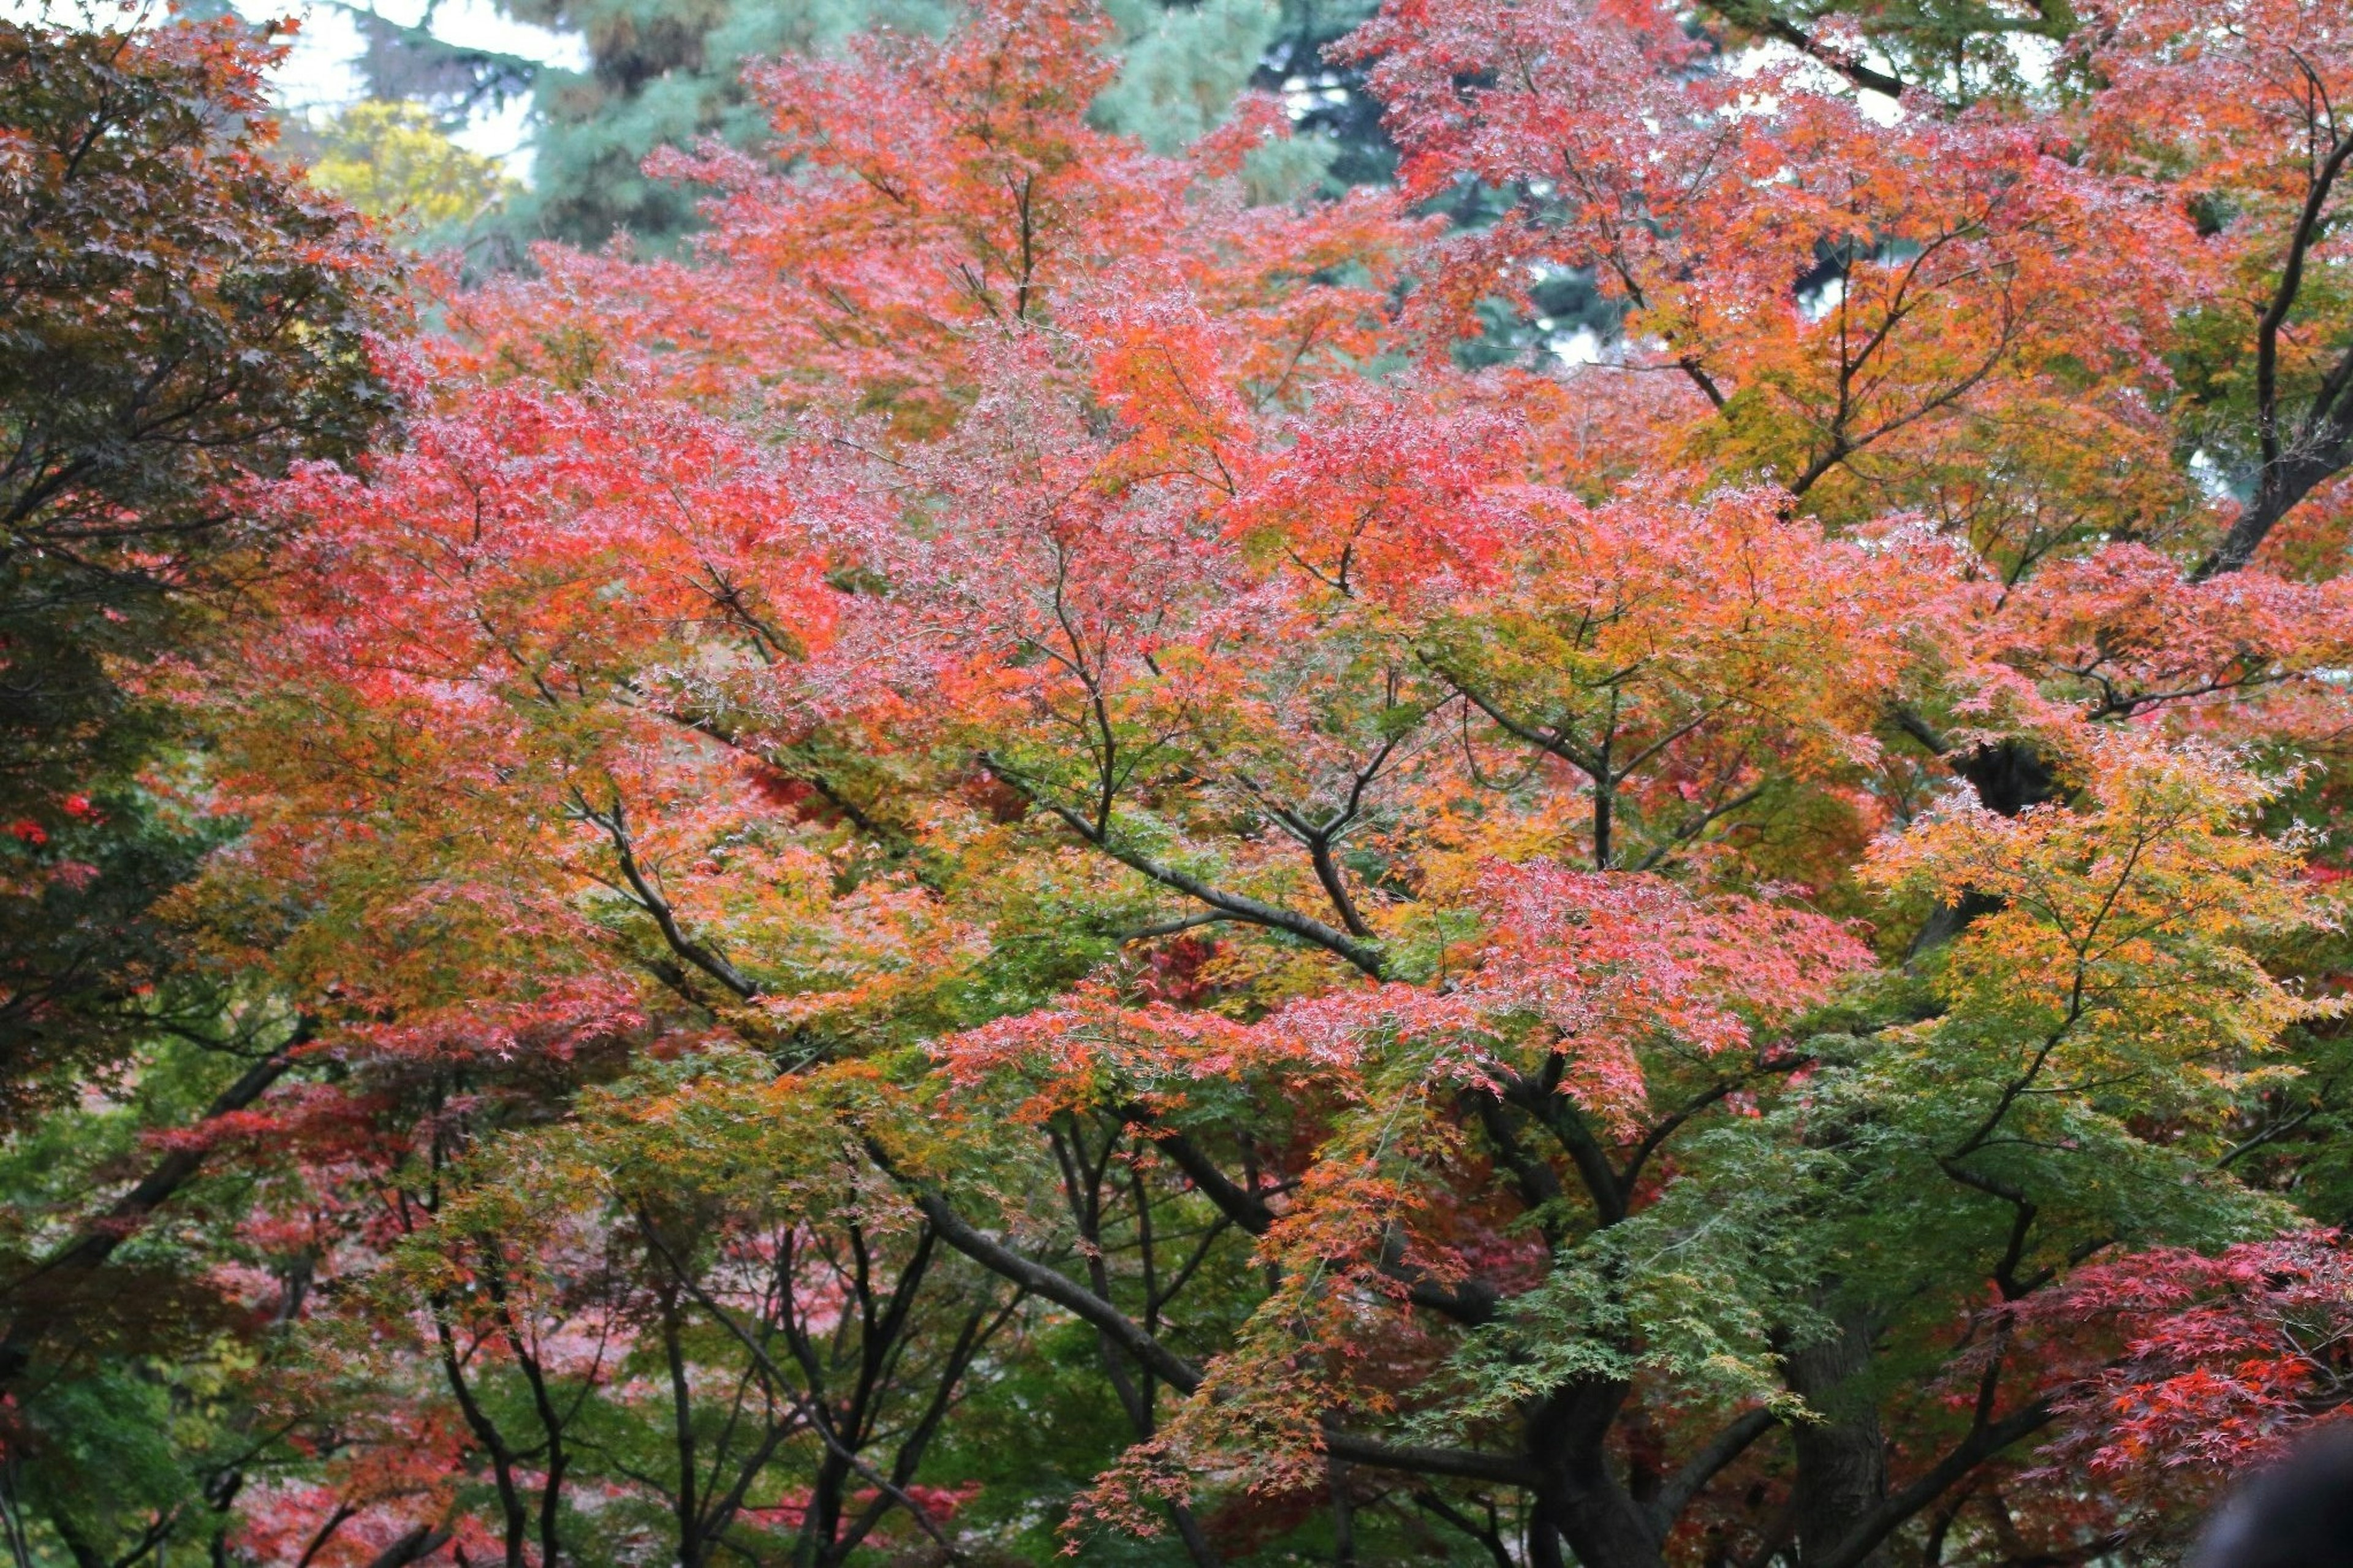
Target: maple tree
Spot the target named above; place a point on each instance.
(1024, 854)
(183, 318)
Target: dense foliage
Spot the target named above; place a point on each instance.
(180, 315)
(183, 319)
(1071, 841)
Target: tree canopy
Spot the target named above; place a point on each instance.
(1071, 839)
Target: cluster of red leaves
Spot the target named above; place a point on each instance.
(2172, 1367)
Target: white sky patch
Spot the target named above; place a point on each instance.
(1583, 346)
(1303, 95)
(2211, 477)
(2037, 57)
(502, 132)
(321, 71)
(1875, 107)
(1821, 301)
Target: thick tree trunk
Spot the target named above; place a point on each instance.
(1842, 1458)
(1581, 1500)
(1601, 1521)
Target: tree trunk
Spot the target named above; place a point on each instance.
(1582, 1501)
(1602, 1523)
(1842, 1456)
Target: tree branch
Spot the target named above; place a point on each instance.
(1685, 1484)
(1238, 907)
(35, 1317)
(1982, 1442)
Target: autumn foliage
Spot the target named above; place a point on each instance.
(1015, 858)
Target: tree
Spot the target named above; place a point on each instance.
(667, 76)
(393, 160)
(999, 822)
(183, 319)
